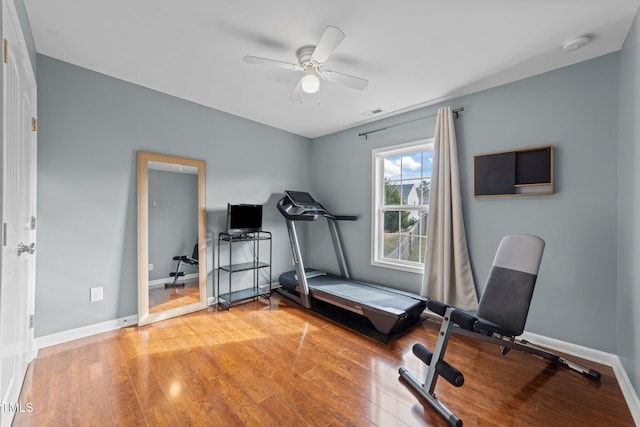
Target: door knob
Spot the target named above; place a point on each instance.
(30, 249)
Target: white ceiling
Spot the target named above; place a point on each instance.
(413, 52)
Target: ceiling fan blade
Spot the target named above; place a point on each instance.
(271, 63)
(344, 79)
(297, 92)
(329, 41)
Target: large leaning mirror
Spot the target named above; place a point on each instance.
(172, 247)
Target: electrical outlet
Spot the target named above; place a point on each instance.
(96, 294)
(150, 267)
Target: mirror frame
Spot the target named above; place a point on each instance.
(144, 317)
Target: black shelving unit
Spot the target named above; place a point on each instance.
(256, 261)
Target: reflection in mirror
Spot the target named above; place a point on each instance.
(171, 236)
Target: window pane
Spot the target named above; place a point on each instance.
(423, 190)
(410, 243)
(409, 192)
(422, 227)
(392, 222)
(427, 163)
(390, 245)
(391, 234)
(411, 248)
(392, 194)
(392, 168)
(420, 247)
(405, 235)
(412, 166)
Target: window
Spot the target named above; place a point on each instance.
(401, 185)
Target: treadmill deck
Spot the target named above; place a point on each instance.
(386, 308)
(361, 293)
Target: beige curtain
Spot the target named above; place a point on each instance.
(447, 270)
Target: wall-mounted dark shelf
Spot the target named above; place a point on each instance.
(524, 172)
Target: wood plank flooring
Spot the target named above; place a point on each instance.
(269, 363)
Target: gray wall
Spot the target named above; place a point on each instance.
(628, 308)
(90, 128)
(576, 110)
(173, 221)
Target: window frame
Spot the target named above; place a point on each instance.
(377, 212)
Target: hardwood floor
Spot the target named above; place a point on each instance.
(268, 363)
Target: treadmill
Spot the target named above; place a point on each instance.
(390, 311)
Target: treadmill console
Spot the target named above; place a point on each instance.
(302, 200)
(298, 203)
(300, 206)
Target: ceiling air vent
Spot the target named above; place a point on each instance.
(373, 112)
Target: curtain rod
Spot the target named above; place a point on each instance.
(456, 112)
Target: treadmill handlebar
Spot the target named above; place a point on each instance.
(294, 217)
(298, 213)
(346, 217)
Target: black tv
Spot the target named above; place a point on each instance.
(243, 218)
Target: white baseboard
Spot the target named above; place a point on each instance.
(591, 354)
(84, 331)
(604, 358)
(628, 391)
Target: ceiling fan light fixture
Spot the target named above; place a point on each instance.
(311, 60)
(310, 83)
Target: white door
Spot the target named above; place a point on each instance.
(17, 263)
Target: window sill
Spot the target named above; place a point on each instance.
(408, 267)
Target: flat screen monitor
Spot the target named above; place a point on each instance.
(243, 218)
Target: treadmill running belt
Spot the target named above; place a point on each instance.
(361, 293)
(355, 292)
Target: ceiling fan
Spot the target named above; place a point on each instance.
(311, 60)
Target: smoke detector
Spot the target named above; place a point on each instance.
(576, 43)
(373, 112)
